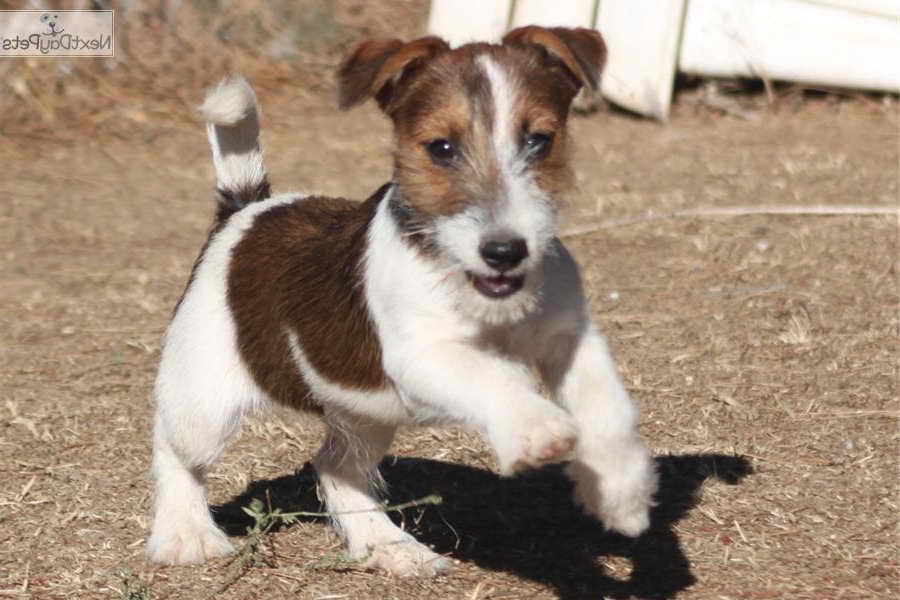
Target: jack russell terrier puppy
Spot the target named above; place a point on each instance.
(445, 298)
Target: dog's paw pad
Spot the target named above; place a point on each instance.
(189, 545)
(545, 441)
(406, 558)
(556, 448)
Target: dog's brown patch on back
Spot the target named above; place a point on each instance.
(298, 269)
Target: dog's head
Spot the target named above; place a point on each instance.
(481, 151)
(50, 20)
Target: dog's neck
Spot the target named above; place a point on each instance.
(412, 224)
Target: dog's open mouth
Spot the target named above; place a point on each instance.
(497, 286)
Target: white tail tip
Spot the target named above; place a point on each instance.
(230, 102)
(232, 126)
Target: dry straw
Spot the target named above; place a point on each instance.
(736, 211)
(164, 61)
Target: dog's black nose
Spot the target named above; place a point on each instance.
(504, 255)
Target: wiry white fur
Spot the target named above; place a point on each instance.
(439, 361)
(505, 92)
(525, 209)
(614, 474)
(203, 390)
(230, 102)
(521, 209)
(451, 367)
(232, 115)
(361, 426)
(382, 406)
(447, 362)
(460, 236)
(345, 466)
(202, 393)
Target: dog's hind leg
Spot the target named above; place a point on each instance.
(183, 528)
(347, 466)
(202, 392)
(197, 411)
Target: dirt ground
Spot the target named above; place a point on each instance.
(762, 348)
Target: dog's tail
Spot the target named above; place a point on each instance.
(232, 123)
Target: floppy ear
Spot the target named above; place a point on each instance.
(581, 51)
(375, 67)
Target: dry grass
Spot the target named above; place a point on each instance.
(163, 63)
(762, 348)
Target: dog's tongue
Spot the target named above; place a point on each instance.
(498, 286)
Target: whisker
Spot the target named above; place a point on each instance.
(418, 231)
(448, 273)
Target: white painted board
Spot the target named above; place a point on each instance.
(883, 8)
(817, 42)
(566, 13)
(642, 38)
(463, 21)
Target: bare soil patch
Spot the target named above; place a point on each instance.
(762, 349)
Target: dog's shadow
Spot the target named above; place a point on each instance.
(526, 525)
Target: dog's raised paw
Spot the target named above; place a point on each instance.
(188, 545)
(542, 440)
(407, 558)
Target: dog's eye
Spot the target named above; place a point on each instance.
(441, 151)
(538, 145)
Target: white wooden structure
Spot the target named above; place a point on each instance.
(841, 43)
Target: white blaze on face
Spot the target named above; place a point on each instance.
(523, 209)
(504, 91)
(517, 207)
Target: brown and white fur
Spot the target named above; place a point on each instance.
(445, 298)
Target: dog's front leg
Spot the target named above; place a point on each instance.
(613, 471)
(347, 466)
(458, 382)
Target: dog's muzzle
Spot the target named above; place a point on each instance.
(502, 255)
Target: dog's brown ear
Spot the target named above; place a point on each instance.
(581, 51)
(375, 67)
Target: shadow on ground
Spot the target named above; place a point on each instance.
(527, 525)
